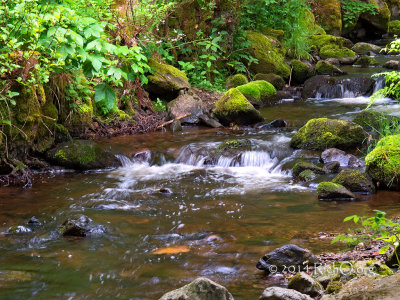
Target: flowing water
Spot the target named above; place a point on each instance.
(223, 211)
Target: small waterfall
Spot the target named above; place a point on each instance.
(125, 161)
(379, 83)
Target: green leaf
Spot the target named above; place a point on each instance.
(5, 122)
(95, 44)
(106, 94)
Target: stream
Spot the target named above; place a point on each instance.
(223, 214)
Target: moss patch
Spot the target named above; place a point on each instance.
(258, 92)
(336, 51)
(321, 40)
(394, 27)
(355, 181)
(301, 166)
(274, 79)
(300, 71)
(236, 80)
(333, 287)
(325, 68)
(365, 61)
(323, 133)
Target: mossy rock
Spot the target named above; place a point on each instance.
(323, 133)
(325, 68)
(269, 53)
(275, 33)
(321, 40)
(305, 284)
(380, 20)
(365, 61)
(235, 81)
(243, 145)
(258, 92)
(301, 166)
(363, 48)
(333, 191)
(166, 81)
(336, 51)
(383, 163)
(277, 81)
(82, 155)
(234, 108)
(391, 261)
(301, 71)
(329, 15)
(394, 27)
(307, 175)
(334, 287)
(355, 181)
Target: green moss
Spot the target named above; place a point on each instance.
(326, 68)
(328, 187)
(258, 92)
(301, 166)
(234, 144)
(336, 51)
(329, 15)
(394, 27)
(60, 154)
(300, 71)
(334, 287)
(379, 268)
(321, 40)
(235, 81)
(323, 133)
(355, 181)
(365, 61)
(307, 175)
(269, 54)
(275, 33)
(383, 163)
(276, 80)
(164, 69)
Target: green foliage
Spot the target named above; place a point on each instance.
(351, 9)
(159, 105)
(372, 229)
(293, 17)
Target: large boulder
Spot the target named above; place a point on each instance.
(301, 71)
(288, 255)
(258, 92)
(82, 155)
(233, 107)
(383, 163)
(269, 53)
(371, 287)
(355, 181)
(328, 14)
(276, 80)
(314, 85)
(187, 103)
(305, 284)
(333, 191)
(321, 40)
(343, 54)
(166, 82)
(199, 289)
(323, 133)
(279, 293)
(364, 48)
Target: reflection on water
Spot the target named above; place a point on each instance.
(225, 210)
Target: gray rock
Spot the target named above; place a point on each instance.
(363, 48)
(210, 121)
(331, 167)
(305, 284)
(75, 226)
(187, 103)
(392, 64)
(175, 126)
(199, 289)
(278, 293)
(345, 160)
(286, 256)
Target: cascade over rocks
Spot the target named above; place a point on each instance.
(323, 133)
(82, 155)
(288, 255)
(199, 289)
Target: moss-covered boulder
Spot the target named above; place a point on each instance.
(301, 166)
(258, 92)
(362, 48)
(394, 27)
(234, 108)
(305, 284)
(329, 15)
(380, 20)
(235, 80)
(336, 51)
(383, 163)
(333, 191)
(323, 133)
(365, 61)
(325, 68)
(166, 81)
(321, 40)
(301, 71)
(355, 181)
(199, 289)
(274, 79)
(82, 155)
(269, 53)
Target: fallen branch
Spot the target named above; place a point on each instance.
(171, 121)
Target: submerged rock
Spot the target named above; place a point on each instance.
(175, 126)
(278, 123)
(34, 222)
(288, 255)
(305, 284)
(199, 289)
(234, 108)
(383, 163)
(82, 155)
(355, 181)
(278, 293)
(76, 226)
(323, 133)
(19, 229)
(333, 191)
(365, 61)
